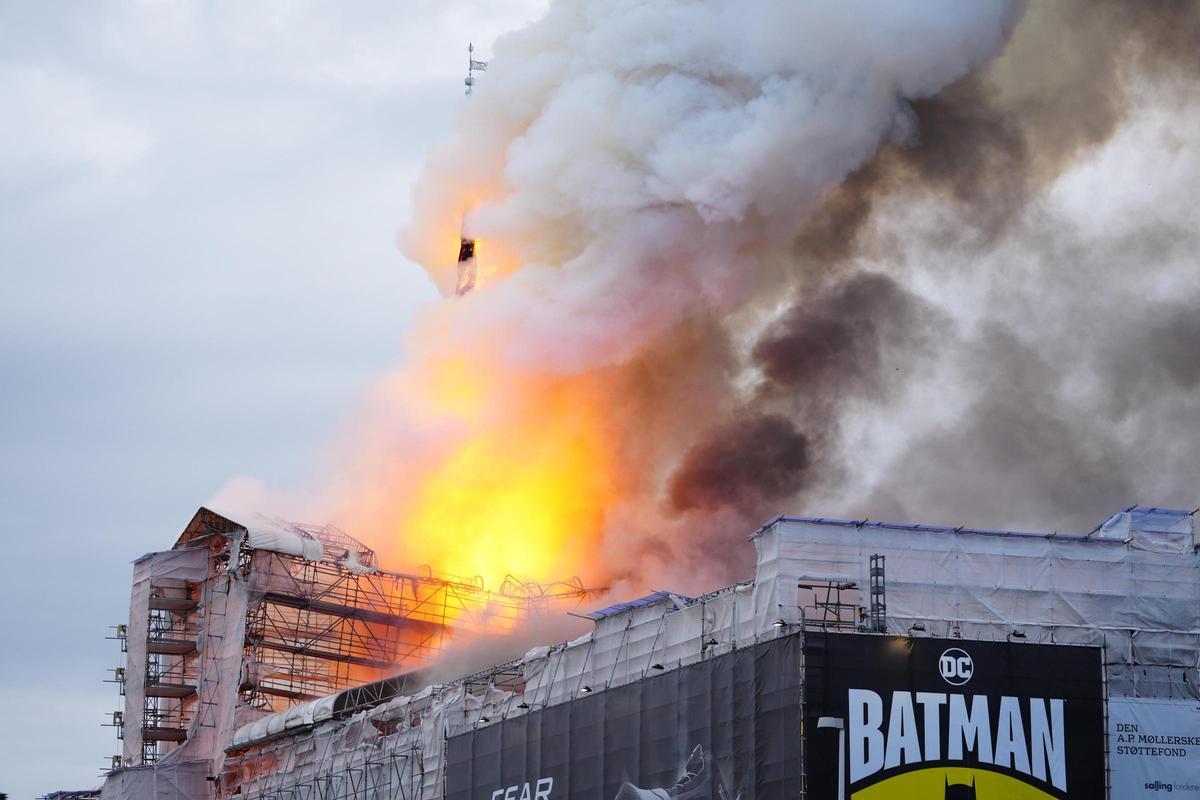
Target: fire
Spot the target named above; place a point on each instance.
(493, 261)
(511, 473)
(523, 490)
(457, 388)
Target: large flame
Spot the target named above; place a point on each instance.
(522, 489)
(521, 499)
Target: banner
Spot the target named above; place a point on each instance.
(1154, 748)
(726, 728)
(898, 718)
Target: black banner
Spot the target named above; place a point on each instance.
(725, 728)
(899, 718)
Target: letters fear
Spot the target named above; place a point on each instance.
(541, 791)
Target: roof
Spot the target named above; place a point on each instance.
(1140, 518)
(648, 600)
(311, 542)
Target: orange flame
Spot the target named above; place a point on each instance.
(522, 492)
(493, 261)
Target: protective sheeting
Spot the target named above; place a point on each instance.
(181, 781)
(648, 600)
(212, 726)
(172, 565)
(1120, 592)
(299, 716)
(264, 536)
(399, 744)
(391, 751)
(640, 640)
(276, 536)
(728, 725)
(237, 621)
(216, 625)
(1163, 530)
(1118, 589)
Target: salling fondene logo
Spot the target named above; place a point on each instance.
(1019, 735)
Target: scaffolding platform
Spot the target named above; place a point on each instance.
(164, 734)
(170, 690)
(176, 647)
(181, 605)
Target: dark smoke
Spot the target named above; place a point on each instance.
(1170, 350)
(991, 139)
(845, 340)
(1017, 456)
(742, 464)
(1073, 391)
(965, 145)
(972, 150)
(850, 340)
(831, 234)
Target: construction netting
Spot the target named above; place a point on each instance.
(154, 575)
(1131, 587)
(187, 780)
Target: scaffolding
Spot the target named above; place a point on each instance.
(239, 620)
(878, 570)
(329, 628)
(171, 668)
(823, 606)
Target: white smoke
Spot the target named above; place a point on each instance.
(640, 159)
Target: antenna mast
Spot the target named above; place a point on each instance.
(473, 66)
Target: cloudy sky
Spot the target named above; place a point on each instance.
(198, 203)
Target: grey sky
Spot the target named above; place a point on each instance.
(197, 209)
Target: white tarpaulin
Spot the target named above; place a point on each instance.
(1154, 748)
(1123, 590)
(187, 780)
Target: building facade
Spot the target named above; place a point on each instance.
(864, 660)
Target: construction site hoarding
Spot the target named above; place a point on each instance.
(722, 728)
(1154, 747)
(897, 717)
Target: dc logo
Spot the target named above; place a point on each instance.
(956, 666)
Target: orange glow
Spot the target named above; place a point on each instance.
(457, 387)
(522, 497)
(492, 261)
(523, 489)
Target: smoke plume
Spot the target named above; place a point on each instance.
(932, 261)
(747, 461)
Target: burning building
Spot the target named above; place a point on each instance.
(242, 619)
(276, 661)
(711, 259)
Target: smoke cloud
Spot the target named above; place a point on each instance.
(930, 261)
(752, 459)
